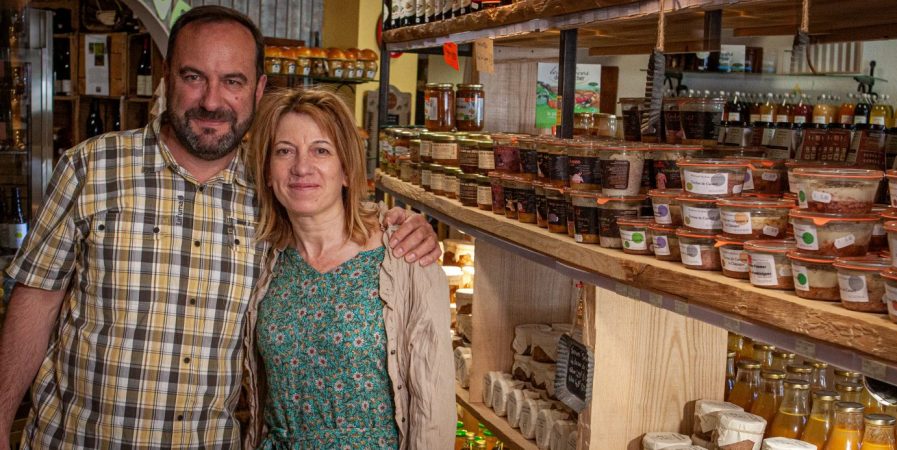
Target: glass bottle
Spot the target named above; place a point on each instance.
(772, 389)
(755, 104)
(879, 433)
(460, 439)
(871, 404)
(18, 227)
(747, 384)
(94, 121)
(800, 372)
(843, 375)
(785, 111)
(879, 114)
(820, 422)
(823, 112)
(862, 110)
(847, 427)
(803, 111)
(763, 354)
(768, 109)
(819, 378)
(747, 349)
(845, 112)
(850, 391)
(781, 360)
(145, 71)
(794, 411)
(734, 343)
(471, 440)
(730, 373)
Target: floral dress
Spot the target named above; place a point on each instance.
(323, 342)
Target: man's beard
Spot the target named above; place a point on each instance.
(192, 140)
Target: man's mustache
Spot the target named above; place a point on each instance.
(204, 114)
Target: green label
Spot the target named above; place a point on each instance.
(802, 279)
(802, 196)
(638, 238)
(807, 238)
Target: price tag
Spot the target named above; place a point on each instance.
(574, 374)
(874, 369)
(450, 54)
(483, 52)
(635, 292)
(805, 348)
(681, 308)
(655, 299)
(732, 325)
(621, 288)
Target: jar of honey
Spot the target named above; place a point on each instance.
(470, 105)
(439, 106)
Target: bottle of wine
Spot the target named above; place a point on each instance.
(116, 120)
(18, 228)
(145, 71)
(65, 73)
(94, 121)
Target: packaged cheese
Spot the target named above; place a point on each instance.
(464, 300)
(545, 423)
(529, 415)
(489, 382)
(707, 416)
(515, 404)
(523, 337)
(462, 366)
(657, 441)
(545, 345)
(739, 430)
(522, 369)
(560, 432)
(780, 443)
(500, 393)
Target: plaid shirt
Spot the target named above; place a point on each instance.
(159, 269)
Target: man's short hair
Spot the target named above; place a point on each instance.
(213, 14)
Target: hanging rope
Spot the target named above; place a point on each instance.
(805, 17)
(661, 26)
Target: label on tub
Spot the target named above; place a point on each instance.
(706, 183)
(801, 278)
(661, 245)
(691, 254)
(890, 296)
(802, 199)
(879, 229)
(484, 195)
(770, 230)
(844, 241)
(736, 222)
(853, 288)
(769, 176)
(701, 218)
(821, 197)
(662, 213)
(634, 240)
(763, 270)
(892, 188)
(732, 260)
(806, 237)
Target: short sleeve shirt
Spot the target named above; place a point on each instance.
(158, 271)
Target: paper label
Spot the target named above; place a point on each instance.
(732, 260)
(634, 240)
(470, 109)
(766, 117)
(662, 213)
(878, 120)
(734, 117)
(426, 148)
(782, 118)
(706, 183)
(859, 120)
(483, 52)
(821, 197)
(806, 237)
(748, 181)
(661, 245)
(763, 270)
(691, 254)
(890, 294)
(445, 151)
(484, 195)
(844, 241)
(769, 176)
(701, 218)
(485, 160)
(431, 106)
(801, 278)
(770, 230)
(802, 199)
(19, 230)
(736, 222)
(853, 288)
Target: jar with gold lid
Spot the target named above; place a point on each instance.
(426, 147)
(437, 179)
(444, 150)
(439, 106)
(470, 107)
(468, 155)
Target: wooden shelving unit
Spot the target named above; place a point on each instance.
(511, 437)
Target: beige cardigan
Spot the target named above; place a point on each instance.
(419, 360)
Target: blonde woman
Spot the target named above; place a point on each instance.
(348, 346)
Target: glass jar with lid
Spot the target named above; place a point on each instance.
(582, 123)
(437, 179)
(879, 432)
(468, 155)
(439, 106)
(470, 105)
(847, 427)
(484, 193)
(444, 150)
(414, 148)
(426, 146)
(486, 159)
(528, 154)
(553, 164)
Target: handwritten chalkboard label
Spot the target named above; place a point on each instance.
(575, 370)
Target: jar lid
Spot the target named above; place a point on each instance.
(758, 203)
(742, 421)
(819, 364)
(821, 219)
(628, 199)
(797, 164)
(868, 263)
(470, 86)
(685, 232)
(762, 346)
(759, 163)
(485, 144)
(431, 85)
(891, 226)
(712, 163)
(666, 228)
(889, 273)
(847, 373)
(799, 369)
(467, 142)
(772, 374)
(696, 199)
(469, 176)
(854, 174)
(770, 246)
(826, 395)
(442, 137)
(800, 385)
(797, 255)
(445, 86)
(635, 222)
(891, 173)
(580, 193)
(666, 193)
(849, 407)
(723, 240)
(435, 166)
(787, 355)
(848, 386)
(879, 420)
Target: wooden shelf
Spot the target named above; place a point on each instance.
(499, 426)
(859, 341)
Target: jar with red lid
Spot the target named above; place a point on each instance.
(470, 106)
(861, 285)
(769, 263)
(439, 106)
(541, 205)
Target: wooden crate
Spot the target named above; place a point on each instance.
(118, 64)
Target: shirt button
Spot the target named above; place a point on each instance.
(192, 301)
(180, 417)
(155, 229)
(392, 352)
(196, 243)
(187, 360)
(202, 188)
(101, 227)
(236, 241)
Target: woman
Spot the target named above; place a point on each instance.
(351, 346)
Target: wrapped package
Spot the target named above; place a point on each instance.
(500, 393)
(464, 300)
(739, 430)
(523, 337)
(465, 326)
(522, 369)
(490, 379)
(545, 422)
(560, 432)
(707, 417)
(544, 345)
(657, 441)
(543, 376)
(515, 404)
(780, 443)
(462, 366)
(529, 415)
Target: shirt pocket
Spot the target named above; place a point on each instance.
(240, 236)
(124, 239)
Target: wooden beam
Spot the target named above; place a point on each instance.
(775, 30)
(645, 48)
(876, 33)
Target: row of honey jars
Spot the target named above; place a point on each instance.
(350, 64)
(446, 109)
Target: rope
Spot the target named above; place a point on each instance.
(661, 26)
(805, 17)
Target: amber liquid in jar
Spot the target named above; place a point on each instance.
(470, 107)
(439, 107)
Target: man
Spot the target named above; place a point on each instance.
(132, 286)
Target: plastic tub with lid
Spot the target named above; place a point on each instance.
(621, 169)
(861, 284)
(664, 242)
(700, 214)
(814, 276)
(891, 175)
(586, 224)
(667, 210)
(764, 176)
(713, 177)
(890, 277)
(634, 234)
(667, 174)
(833, 234)
(698, 250)
(891, 229)
(733, 257)
(584, 166)
(879, 240)
(839, 191)
(610, 210)
(768, 260)
(754, 218)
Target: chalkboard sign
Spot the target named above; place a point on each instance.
(575, 369)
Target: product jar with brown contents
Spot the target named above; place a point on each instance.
(768, 260)
(610, 210)
(838, 191)
(414, 150)
(891, 175)
(754, 218)
(426, 176)
(506, 154)
(468, 155)
(632, 122)
(541, 205)
(700, 214)
(765, 176)
(470, 107)
(879, 239)
(814, 276)
(484, 193)
(426, 147)
(860, 282)
(712, 177)
(586, 223)
(439, 107)
(891, 229)
(634, 234)
(571, 218)
(621, 169)
(528, 153)
(584, 166)
(557, 211)
(405, 169)
(511, 195)
(444, 150)
(498, 192)
(452, 182)
(437, 179)
(665, 159)
(582, 123)
(664, 242)
(486, 157)
(552, 165)
(698, 250)
(832, 234)
(889, 276)
(525, 193)
(468, 189)
(665, 205)
(733, 257)
(303, 61)
(415, 174)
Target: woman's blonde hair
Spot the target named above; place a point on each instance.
(336, 121)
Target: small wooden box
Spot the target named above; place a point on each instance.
(118, 64)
